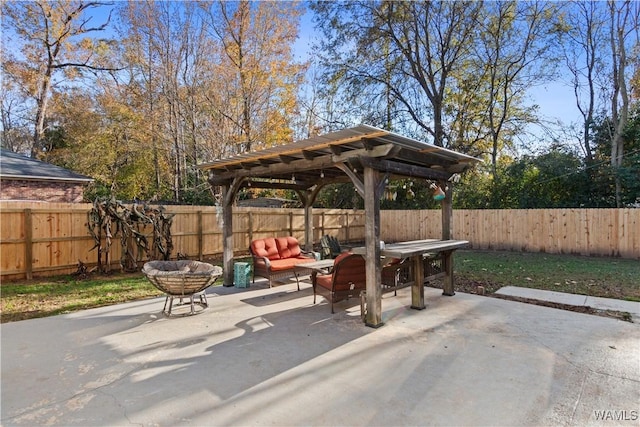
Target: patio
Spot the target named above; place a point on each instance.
(261, 356)
(363, 155)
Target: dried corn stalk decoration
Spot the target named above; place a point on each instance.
(141, 228)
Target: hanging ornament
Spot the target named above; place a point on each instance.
(438, 194)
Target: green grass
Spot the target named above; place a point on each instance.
(64, 294)
(603, 277)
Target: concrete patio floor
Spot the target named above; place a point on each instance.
(261, 356)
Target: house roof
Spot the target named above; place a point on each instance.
(17, 166)
(327, 157)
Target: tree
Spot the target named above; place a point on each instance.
(513, 52)
(624, 24)
(584, 57)
(51, 31)
(16, 135)
(165, 47)
(617, 186)
(401, 54)
(257, 75)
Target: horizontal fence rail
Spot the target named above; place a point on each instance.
(44, 239)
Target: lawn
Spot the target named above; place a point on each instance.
(603, 277)
(599, 277)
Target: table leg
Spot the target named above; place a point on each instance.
(417, 288)
(447, 261)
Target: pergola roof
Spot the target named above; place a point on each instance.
(302, 164)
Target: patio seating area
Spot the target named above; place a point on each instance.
(259, 354)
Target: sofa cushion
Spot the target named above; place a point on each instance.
(288, 247)
(324, 280)
(288, 263)
(266, 247)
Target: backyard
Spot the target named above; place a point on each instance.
(491, 270)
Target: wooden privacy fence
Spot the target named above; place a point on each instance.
(43, 239)
(590, 232)
(50, 238)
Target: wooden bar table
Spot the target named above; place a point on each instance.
(415, 250)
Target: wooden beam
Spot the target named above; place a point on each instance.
(287, 159)
(422, 158)
(447, 266)
(336, 150)
(299, 165)
(277, 185)
(373, 316)
(296, 148)
(231, 190)
(377, 151)
(382, 185)
(398, 168)
(357, 181)
(249, 165)
(310, 154)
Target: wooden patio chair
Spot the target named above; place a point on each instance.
(330, 247)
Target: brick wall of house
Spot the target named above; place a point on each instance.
(65, 192)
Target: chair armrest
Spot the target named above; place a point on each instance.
(261, 260)
(308, 254)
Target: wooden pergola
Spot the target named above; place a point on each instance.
(364, 155)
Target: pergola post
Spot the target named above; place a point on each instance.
(372, 244)
(308, 227)
(447, 210)
(308, 197)
(227, 234)
(447, 221)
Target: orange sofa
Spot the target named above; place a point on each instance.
(276, 258)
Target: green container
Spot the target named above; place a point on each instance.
(241, 274)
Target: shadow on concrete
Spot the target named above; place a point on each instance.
(269, 356)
